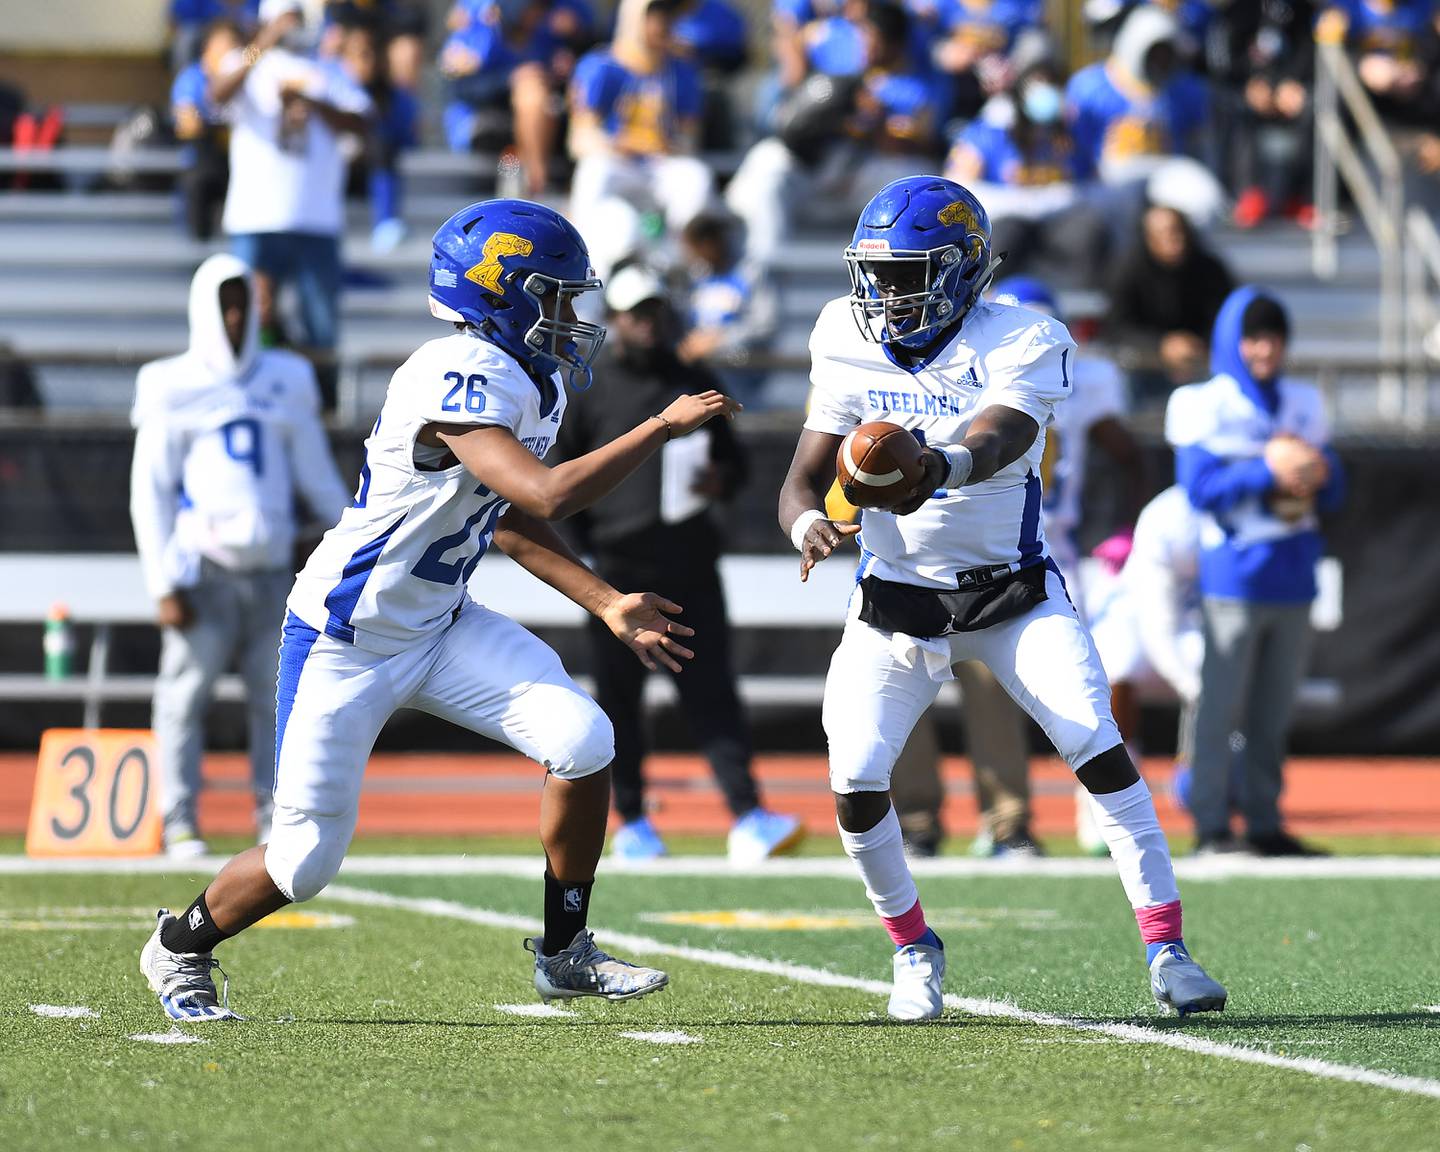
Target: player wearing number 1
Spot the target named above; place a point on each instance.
(380, 618)
(957, 568)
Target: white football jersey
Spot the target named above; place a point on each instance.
(223, 442)
(1001, 355)
(393, 570)
(1099, 395)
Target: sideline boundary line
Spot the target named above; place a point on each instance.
(531, 867)
(802, 974)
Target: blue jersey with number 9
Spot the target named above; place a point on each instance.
(394, 569)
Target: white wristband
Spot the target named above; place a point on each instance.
(961, 462)
(802, 525)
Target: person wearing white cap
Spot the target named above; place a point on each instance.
(657, 526)
(285, 208)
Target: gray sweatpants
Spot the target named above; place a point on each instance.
(238, 616)
(1255, 655)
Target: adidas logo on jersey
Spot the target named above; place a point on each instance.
(970, 380)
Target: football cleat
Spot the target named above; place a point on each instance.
(583, 969)
(184, 844)
(1181, 985)
(759, 834)
(182, 980)
(919, 972)
(637, 840)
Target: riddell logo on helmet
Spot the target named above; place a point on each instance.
(487, 273)
(872, 244)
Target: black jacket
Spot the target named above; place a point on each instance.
(626, 526)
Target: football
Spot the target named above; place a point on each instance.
(878, 464)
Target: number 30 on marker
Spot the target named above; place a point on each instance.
(96, 794)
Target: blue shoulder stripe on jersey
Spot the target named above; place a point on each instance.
(346, 594)
(1030, 549)
(296, 640)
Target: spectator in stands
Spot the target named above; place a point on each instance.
(861, 136)
(712, 34)
(1251, 450)
(1390, 41)
(226, 436)
(189, 19)
(18, 390)
(1266, 54)
(634, 127)
(733, 308)
(971, 45)
(1164, 299)
(1139, 117)
(504, 64)
(795, 26)
(285, 207)
(657, 524)
(393, 127)
(202, 132)
(1018, 157)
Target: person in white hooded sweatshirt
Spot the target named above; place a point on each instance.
(225, 433)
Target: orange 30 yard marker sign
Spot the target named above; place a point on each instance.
(96, 794)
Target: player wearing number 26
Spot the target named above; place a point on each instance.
(956, 568)
(226, 433)
(380, 617)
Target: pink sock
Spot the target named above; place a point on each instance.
(910, 926)
(1161, 922)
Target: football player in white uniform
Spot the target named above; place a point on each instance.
(226, 434)
(379, 618)
(959, 570)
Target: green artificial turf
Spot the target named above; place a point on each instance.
(384, 1034)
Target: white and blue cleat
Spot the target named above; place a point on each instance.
(759, 835)
(583, 969)
(919, 974)
(1181, 986)
(637, 840)
(182, 980)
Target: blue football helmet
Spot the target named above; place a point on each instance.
(1027, 292)
(919, 261)
(509, 268)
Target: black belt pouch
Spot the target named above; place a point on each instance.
(929, 612)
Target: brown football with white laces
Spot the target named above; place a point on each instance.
(879, 464)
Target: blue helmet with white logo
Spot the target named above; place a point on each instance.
(919, 260)
(1027, 292)
(511, 269)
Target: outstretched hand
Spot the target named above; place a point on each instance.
(686, 413)
(638, 621)
(822, 538)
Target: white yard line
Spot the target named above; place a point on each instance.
(531, 867)
(545, 1011)
(801, 974)
(65, 1011)
(172, 1037)
(663, 1037)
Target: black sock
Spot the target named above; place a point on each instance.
(566, 909)
(193, 930)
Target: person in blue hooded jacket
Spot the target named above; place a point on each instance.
(1251, 451)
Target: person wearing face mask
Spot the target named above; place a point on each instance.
(225, 435)
(1019, 157)
(1251, 452)
(657, 526)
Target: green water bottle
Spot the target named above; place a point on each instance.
(59, 643)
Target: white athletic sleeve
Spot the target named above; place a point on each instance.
(465, 381)
(155, 474)
(311, 463)
(1038, 377)
(834, 403)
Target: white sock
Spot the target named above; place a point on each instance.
(879, 853)
(1131, 829)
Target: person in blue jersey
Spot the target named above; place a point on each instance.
(190, 20)
(635, 111)
(712, 34)
(1139, 117)
(1389, 41)
(200, 128)
(884, 129)
(1252, 453)
(733, 307)
(504, 64)
(973, 43)
(1019, 156)
(381, 617)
